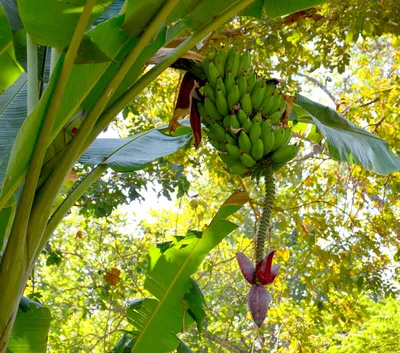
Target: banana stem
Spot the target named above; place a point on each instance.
(265, 221)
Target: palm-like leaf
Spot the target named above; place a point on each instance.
(158, 320)
(346, 141)
(31, 328)
(10, 69)
(133, 153)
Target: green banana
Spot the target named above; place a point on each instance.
(206, 64)
(247, 160)
(230, 139)
(244, 62)
(229, 81)
(228, 159)
(224, 54)
(238, 168)
(258, 118)
(233, 150)
(221, 86)
(257, 150)
(247, 124)
(209, 91)
(268, 141)
(206, 120)
(211, 109)
(268, 105)
(265, 128)
(213, 74)
(218, 131)
(244, 142)
(245, 103)
(232, 61)
(269, 89)
(286, 136)
(233, 97)
(251, 81)
(242, 82)
(241, 116)
(227, 122)
(201, 109)
(215, 143)
(275, 117)
(219, 62)
(234, 123)
(277, 103)
(221, 103)
(255, 131)
(284, 154)
(222, 147)
(278, 137)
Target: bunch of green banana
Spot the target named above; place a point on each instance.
(242, 114)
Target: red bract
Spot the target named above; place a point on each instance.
(265, 272)
(259, 300)
(246, 267)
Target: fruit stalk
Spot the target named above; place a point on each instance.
(265, 221)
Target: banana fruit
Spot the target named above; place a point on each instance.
(243, 114)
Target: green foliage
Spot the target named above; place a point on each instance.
(59, 28)
(30, 328)
(335, 226)
(10, 67)
(346, 141)
(133, 153)
(168, 279)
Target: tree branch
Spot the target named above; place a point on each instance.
(320, 85)
(229, 346)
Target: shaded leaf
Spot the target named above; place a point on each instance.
(133, 153)
(10, 69)
(89, 52)
(12, 116)
(139, 15)
(29, 334)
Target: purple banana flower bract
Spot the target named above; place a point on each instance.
(259, 300)
(246, 267)
(264, 273)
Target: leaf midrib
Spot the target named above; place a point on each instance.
(160, 302)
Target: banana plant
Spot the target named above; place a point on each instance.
(84, 63)
(51, 116)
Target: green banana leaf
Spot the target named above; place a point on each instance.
(346, 141)
(10, 69)
(12, 116)
(52, 23)
(133, 153)
(202, 14)
(183, 348)
(110, 39)
(30, 331)
(157, 321)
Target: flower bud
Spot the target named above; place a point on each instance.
(259, 300)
